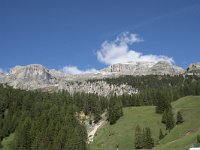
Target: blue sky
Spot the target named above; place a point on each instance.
(64, 33)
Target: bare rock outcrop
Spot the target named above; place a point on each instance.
(130, 68)
(194, 69)
(32, 72)
(145, 68)
(97, 87)
(165, 68)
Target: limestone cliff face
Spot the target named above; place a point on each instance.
(32, 72)
(135, 68)
(98, 87)
(165, 68)
(145, 68)
(194, 68)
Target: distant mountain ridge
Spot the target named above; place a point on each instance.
(36, 76)
(146, 68)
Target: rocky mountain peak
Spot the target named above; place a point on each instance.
(33, 72)
(194, 68)
(145, 68)
(164, 68)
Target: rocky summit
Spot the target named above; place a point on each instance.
(32, 72)
(145, 68)
(194, 68)
(36, 76)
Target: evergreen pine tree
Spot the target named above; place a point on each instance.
(179, 118)
(138, 138)
(162, 103)
(170, 120)
(197, 144)
(149, 140)
(161, 135)
(114, 109)
(144, 138)
(164, 117)
(198, 138)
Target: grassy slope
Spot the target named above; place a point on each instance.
(7, 142)
(183, 135)
(122, 133)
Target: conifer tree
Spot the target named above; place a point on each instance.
(162, 103)
(138, 138)
(164, 117)
(197, 144)
(179, 118)
(114, 109)
(149, 140)
(144, 138)
(170, 120)
(161, 135)
(198, 138)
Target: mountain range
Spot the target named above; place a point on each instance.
(36, 76)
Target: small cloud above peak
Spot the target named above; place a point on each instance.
(119, 51)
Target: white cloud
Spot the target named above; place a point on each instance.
(75, 70)
(118, 51)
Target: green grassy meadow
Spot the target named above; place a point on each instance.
(182, 136)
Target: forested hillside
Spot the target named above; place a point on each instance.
(153, 88)
(46, 121)
(152, 81)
